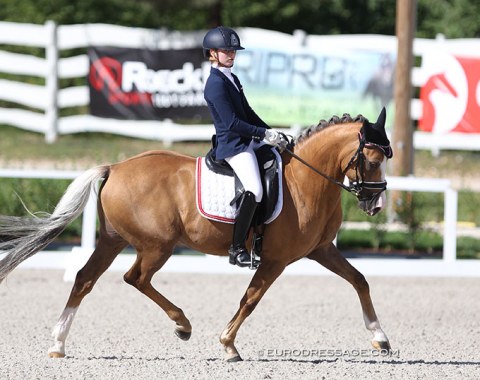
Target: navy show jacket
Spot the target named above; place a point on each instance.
(236, 124)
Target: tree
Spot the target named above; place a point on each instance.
(315, 17)
(454, 18)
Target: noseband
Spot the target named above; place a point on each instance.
(357, 186)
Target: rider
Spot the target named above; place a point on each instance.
(239, 131)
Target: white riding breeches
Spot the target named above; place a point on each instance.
(245, 166)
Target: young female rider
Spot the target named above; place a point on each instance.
(239, 131)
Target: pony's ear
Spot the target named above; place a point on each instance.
(375, 133)
(381, 119)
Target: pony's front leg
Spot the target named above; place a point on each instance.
(331, 258)
(60, 333)
(265, 275)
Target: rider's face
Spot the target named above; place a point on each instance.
(225, 58)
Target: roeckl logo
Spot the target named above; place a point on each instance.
(132, 82)
(106, 73)
(138, 75)
(451, 96)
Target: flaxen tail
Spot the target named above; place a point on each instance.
(22, 237)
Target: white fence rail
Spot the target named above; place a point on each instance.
(449, 265)
(49, 98)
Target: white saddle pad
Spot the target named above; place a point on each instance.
(214, 192)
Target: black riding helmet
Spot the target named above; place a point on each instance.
(221, 37)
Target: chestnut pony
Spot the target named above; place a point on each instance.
(148, 201)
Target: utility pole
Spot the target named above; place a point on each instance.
(403, 129)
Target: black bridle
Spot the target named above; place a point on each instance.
(357, 186)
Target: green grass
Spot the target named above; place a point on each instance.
(22, 197)
(85, 149)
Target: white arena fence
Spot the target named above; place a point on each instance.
(448, 265)
(55, 39)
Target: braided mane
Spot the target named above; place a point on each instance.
(322, 124)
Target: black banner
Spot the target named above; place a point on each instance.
(148, 84)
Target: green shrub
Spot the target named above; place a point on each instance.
(420, 208)
(20, 197)
(428, 244)
(468, 248)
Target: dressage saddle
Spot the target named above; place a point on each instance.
(268, 166)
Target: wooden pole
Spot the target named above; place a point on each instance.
(403, 129)
(402, 137)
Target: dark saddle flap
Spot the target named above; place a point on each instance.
(218, 166)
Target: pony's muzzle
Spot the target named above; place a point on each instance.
(373, 205)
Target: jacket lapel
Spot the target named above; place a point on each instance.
(237, 82)
(228, 81)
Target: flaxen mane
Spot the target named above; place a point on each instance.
(322, 124)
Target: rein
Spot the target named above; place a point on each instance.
(356, 187)
(326, 176)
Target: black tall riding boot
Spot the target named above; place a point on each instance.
(238, 253)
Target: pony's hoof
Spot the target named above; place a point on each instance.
(235, 359)
(381, 345)
(56, 355)
(183, 335)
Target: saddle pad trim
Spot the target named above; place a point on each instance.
(200, 207)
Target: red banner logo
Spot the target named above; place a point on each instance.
(106, 74)
(451, 97)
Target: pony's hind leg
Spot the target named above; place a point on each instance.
(101, 258)
(148, 262)
(331, 258)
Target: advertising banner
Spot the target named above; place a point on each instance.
(284, 87)
(148, 84)
(451, 94)
(302, 86)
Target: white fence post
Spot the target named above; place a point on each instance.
(51, 81)
(78, 257)
(89, 222)
(450, 228)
